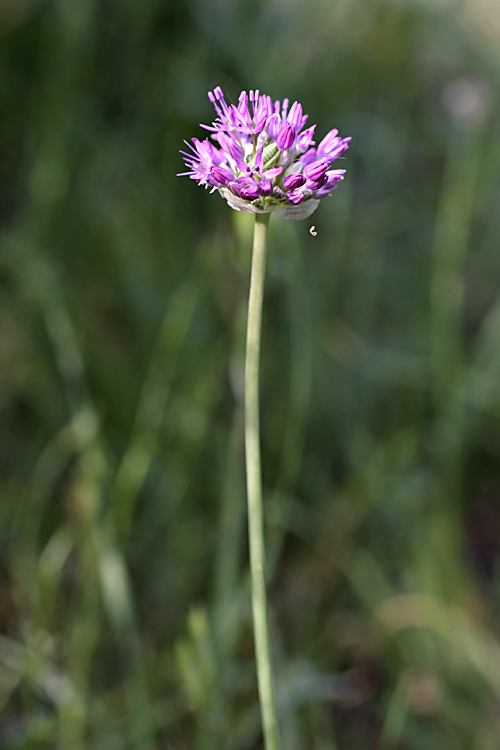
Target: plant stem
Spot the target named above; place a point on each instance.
(254, 488)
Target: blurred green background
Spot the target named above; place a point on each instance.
(124, 596)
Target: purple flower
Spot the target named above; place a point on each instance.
(266, 187)
(295, 117)
(273, 126)
(250, 192)
(316, 170)
(333, 178)
(231, 145)
(293, 181)
(263, 160)
(295, 196)
(286, 137)
(330, 140)
(306, 139)
(220, 176)
(332, 146)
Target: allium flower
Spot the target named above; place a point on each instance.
(265, 161)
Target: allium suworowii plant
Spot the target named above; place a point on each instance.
(263, 161)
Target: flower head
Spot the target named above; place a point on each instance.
(263, 160)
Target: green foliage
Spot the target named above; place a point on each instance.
(124, 602)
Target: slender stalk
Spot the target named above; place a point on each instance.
(254, 488)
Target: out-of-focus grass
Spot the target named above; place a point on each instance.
(124, 608)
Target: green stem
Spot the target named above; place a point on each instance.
(254, 487)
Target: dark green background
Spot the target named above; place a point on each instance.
(124, 598)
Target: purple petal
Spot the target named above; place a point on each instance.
(259, 162)
(270, 174)
(329, 141)
(243, 106)
(219, 96)
(333, 146)
(234, 188)
(260, 117)
(295, 116)
(250, 193)
(231, 146)
(235, 118)
(309, 157)
(341, 149)
(317, 169)
(316, 185)
(216, 106)
(286, 137)
(333, 177)
(221, 176)
(266, 187)
(336, 174)
(293, 181)
(306, 139)
(273, 126)
(296, 196)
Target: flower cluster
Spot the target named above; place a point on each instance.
(265, 160)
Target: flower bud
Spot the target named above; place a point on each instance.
(329, 141)
(293, 181)
(305, 139)
(295, 116)
(221, 176)
(250, 192)
(273, 126)
(316, 169)
(260, 117)
(286, 137)
(332, 179)
(337, 147)
(317, 184)
(297, 196)
(266, 187)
